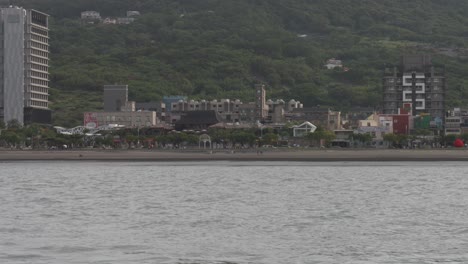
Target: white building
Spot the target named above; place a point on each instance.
(333, 63)
(303, 129)
(133, 13)
(90, 15)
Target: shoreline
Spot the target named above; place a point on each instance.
(325, 155)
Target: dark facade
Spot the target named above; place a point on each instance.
(418, 82)
(197, 120)
(115, 97)
(34, 115)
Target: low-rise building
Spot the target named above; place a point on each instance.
(109, 21)
(323, 117)
(228, 110)
(303, 129)
(119, 111)
(376, 125)
(402, 122)
(158, 107)
(352, 117)
(333, 63)
(454, 120)
(127, 119)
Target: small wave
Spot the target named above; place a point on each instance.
(127, 247)
(75, 249)
(187, 261)
(11, 230)
(22, 256)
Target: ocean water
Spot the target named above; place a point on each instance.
(233, 212)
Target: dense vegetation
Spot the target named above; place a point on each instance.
(220, 48)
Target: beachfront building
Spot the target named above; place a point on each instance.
(376, 125)
(24, 82)
(353, 116)
(158, 107)
(124, 118)
(323, 117)
(235, 111)
(456, 122)
(303, 129)
(198, 120)
(278, 109)
(228, 110)
(119, 111)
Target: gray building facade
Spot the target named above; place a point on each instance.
(115, 97)
(12, 64)
(24, 60)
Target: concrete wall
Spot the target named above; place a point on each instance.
(12, 98)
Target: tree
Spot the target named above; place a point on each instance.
(364, 138)
(448, 140)
(270, 139)
(397, 141)
(14, 124)
(12, 138)
(321, 135)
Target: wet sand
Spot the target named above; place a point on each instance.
(224, 155)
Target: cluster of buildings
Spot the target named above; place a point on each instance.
(413, 94)
(94, 17)
(177, 112)
(413, 102)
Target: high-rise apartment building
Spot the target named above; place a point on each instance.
(418, 82)
(24, 66)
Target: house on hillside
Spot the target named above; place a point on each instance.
(333, 63)
(109, 21)
(90, 17)
(133, 13)
(125, 20)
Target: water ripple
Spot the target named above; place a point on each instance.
(231, 213)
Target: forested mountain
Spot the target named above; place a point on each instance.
(220, 48)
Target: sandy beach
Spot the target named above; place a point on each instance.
(225, 155)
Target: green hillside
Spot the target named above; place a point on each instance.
(220, 48)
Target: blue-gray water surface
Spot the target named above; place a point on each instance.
(233, 213)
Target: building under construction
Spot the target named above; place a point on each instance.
(418, 82)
